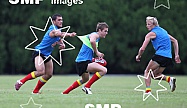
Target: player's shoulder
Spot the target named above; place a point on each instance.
(52, 28)
(151, 35)
(94, 34)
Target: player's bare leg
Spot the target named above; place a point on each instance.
(99, 72)
(77, 83)
(153, 66)
(170, 80)
(40, 70)
(45, 77)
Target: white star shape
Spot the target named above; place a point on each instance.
(168, 5)
(62, 39)
(31, 99)
(150, 94)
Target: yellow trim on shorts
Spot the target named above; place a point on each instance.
(97, 73)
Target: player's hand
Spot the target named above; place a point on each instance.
(138, 58)
(61, 46)
(54, 44)
(99, 54)
(177, 59)
(73, 34)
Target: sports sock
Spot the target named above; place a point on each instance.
(28, 77)
(39, 85)
(73, 86)
(168, 78)
(94, 78)
(148, 89)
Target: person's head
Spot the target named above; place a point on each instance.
(102, 29)
(151, 22)
(57, 20)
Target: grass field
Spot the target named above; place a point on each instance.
(108, 90)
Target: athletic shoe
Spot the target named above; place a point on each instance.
(18, 85)
(172, 83)
(147, 92)
(87, 90)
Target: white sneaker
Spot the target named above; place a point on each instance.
(172, 83)
(36, 93)
(147, 93)
(87, 90)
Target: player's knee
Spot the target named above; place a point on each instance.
(40, 73)
(145, 71)
(104, 71)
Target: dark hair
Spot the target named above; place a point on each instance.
(101, 26)
(54, 17)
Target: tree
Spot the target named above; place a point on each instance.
(126, 20)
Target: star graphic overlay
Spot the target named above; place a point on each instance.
(168, 5)
(62, 39)
(150, 94)
(31, 99)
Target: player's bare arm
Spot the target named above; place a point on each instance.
(61, 44)
(148, 37)
(64, 34)
(176, 49)
(58, 33)
(93, 38)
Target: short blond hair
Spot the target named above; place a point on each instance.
(153, 20)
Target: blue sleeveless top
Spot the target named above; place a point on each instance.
(45, 45)
(162, 42)
(86, 52)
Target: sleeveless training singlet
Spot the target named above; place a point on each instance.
(86, 52)
(45, 45)
(162, 42)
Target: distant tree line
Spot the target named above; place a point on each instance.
(126, 19)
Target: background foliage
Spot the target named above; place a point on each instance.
(126, 19)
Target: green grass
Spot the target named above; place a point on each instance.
(108, 90)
